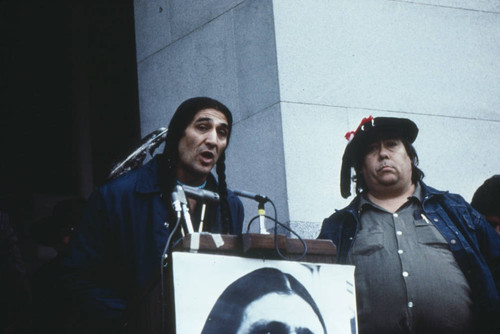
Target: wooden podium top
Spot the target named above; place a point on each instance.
(259, 245)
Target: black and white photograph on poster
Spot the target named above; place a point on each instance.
(217, 294)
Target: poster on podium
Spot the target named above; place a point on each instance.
(216, 294)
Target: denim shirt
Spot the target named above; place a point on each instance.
(473, 242)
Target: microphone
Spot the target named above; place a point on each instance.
(202, 194)
(176, 203)
(181, 197)
(257, 197)
(262, 199)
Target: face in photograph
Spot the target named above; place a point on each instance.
(265, 301)
(280, 313)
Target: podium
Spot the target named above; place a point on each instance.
(258, 246)
(206, 270)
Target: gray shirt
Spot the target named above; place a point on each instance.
(407, 280)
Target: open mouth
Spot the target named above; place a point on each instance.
(207, 156)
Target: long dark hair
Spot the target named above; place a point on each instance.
(178, 124)
(227, 313)
(416, 173)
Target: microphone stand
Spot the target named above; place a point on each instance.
(262, 217)
(185, 209)
(203, 196)
(202, 216)
(261, 199)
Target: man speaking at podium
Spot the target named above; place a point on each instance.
(426, 262)
(118, 245)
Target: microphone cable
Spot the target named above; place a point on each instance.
(276, 223)
(163, 266)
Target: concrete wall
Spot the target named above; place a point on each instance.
(435, 62)
(299, 74)
(225, 50)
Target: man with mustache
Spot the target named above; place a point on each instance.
(426, 261)
(116, 250)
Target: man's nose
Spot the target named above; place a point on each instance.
(383, 152)
(211, 137)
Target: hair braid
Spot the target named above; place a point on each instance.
(167, 178)
(222, 190)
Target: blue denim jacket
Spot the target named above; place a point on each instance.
(473, 242)
(117, 246)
